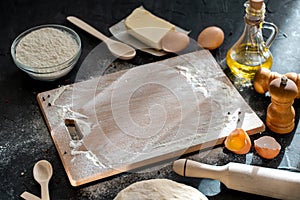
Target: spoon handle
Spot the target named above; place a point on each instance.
(88, 28)
(45, 191)
(28, 196)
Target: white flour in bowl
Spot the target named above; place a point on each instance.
(46, 47)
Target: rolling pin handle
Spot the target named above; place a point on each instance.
(190, 168)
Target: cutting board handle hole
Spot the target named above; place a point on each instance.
(73, 129)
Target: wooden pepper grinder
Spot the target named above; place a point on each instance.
(280, 113)
(264, 76)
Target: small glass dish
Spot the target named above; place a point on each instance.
(46, 72)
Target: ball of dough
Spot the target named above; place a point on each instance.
(160, 189)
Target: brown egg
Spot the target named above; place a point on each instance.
(267, 147)
(211, 38)
(175, 41)
(238, 141)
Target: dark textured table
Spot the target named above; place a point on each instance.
(25, 138)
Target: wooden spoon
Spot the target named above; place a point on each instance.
(42, 172)
(118, 49)
(174, 41)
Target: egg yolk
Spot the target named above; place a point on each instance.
(236, 143)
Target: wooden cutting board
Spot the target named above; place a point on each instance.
(133, 118)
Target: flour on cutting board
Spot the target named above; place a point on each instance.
(58, 93)
(129, 104)
(74, 145)
(194, 79)
(130, 151)
(65, 111)
(190, 95)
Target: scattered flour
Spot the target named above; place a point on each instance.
(46, 47)
(74, 145)
(194, 79)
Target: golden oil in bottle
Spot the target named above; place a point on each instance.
(246, 59)
(251, 52)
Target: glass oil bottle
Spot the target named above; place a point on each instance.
(251, 52)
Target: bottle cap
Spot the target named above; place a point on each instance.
(256, 4)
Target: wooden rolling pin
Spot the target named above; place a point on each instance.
(263, 181)
(263, 78)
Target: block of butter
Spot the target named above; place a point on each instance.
(147, 27)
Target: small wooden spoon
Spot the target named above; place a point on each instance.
(174, 41)
(42, 172)
(118, 49)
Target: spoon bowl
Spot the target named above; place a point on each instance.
(118, 49)
(42, 173)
